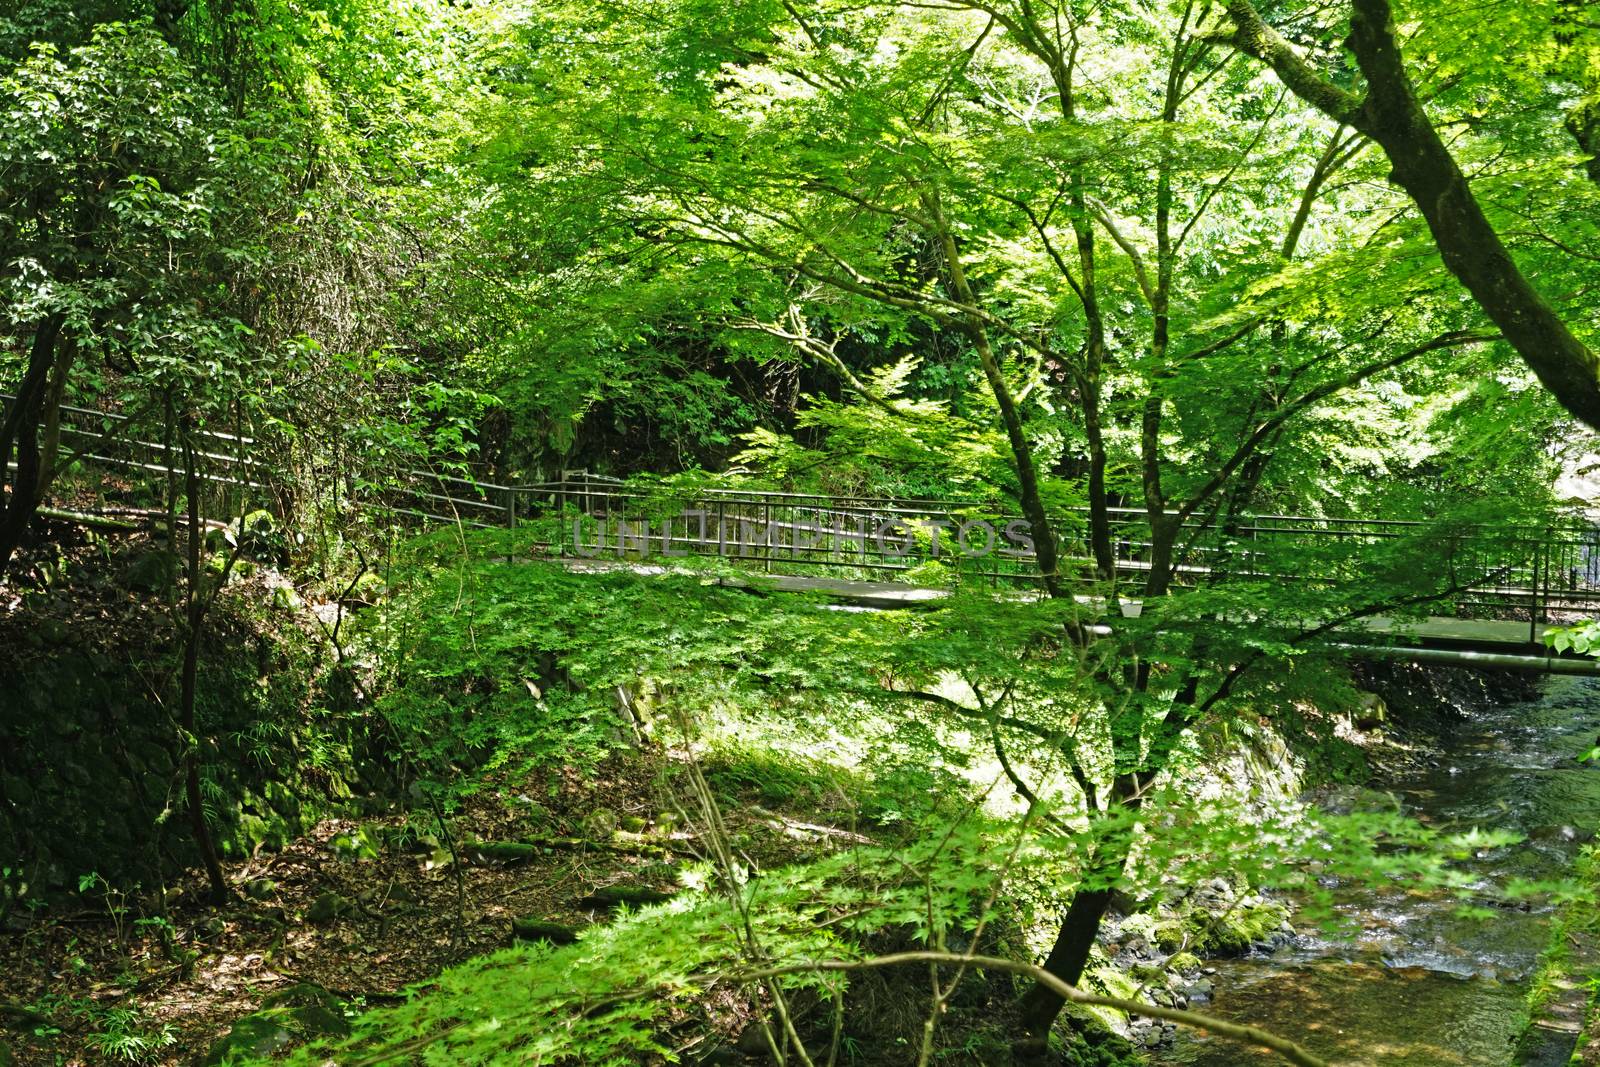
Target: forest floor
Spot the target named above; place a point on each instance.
(359, 906)
(343, 908)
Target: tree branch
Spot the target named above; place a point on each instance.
(1254, 37)
(1314, 396)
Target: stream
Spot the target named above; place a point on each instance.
(1417, 984)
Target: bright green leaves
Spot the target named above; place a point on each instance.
(110, 179)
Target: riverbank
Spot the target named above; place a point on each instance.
(1428, 979)
(1564, 996)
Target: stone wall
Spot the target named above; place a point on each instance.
(90, 748)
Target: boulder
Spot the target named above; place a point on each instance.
(315, 1011)
(260, 888)
(1370, 712)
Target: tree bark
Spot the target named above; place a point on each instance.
(1067, 959)
(1044, 540)
(1392, 115)
(19, 435)
(50, 429)
(189, 678)
(1583, 122)
(1094, 357)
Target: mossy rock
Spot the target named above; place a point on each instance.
(1091, 1043)
(253, 1037)
(1172, 935)
(1101, 977)
(316, 1009)
(1236, 930)
(273, 1029)
(300, 1012)
(328, 907)
(260, 888)
(1184, 962)
(369, 588)
(1149, 973)
(217, 564)
(1141, 924)
(1370, 712)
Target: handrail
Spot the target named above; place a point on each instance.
(847, 502)
(1521, 567)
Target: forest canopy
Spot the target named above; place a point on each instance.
(328, 328)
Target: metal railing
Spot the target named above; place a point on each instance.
(1528, 572)
(232, 462)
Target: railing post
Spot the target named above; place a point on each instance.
(1533, 595)
(511, 524)
(559, 499)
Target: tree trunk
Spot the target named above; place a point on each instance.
(1583, 122)
(1392, 115)
(1094, 355)
(19, 435)
(189, 678)
(1068, 957)
(1044, 539)
(50, 430)
(1081, 925)
(1105, 558)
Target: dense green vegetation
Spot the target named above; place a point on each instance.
(305, 307)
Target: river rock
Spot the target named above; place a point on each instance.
(1139, 949)
(1183, 963)
(1561, 833)
(1214, 894)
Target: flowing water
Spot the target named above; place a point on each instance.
(1418, 985)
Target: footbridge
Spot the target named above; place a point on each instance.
(1490, 592)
